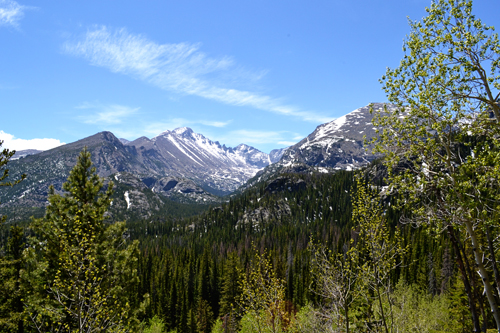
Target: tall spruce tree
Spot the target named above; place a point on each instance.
(85, 268)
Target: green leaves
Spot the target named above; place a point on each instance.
(442, 155)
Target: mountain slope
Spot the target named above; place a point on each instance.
(183, 153)
(179, 165)
(336, 145)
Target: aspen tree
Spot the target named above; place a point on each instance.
(263, 298)
(379, 253)
(445, 130)
(337, 277)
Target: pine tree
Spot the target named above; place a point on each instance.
(12, 287)
(87, 268)
(230, 292)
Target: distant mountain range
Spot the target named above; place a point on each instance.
(187, 166)
(179, 165)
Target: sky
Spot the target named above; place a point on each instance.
(263, 73)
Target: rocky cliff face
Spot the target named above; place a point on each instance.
(338, 144)
(276, 154)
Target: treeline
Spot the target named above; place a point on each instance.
(187, 267)
(409, 245)
(195, 274)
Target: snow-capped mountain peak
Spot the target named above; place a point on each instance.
(220, 167)
(183, 130)
(338, 144)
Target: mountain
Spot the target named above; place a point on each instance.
(185, 154)
(177, 165)
(336, 145)
(23, 153)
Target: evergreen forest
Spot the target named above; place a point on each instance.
(409, 243)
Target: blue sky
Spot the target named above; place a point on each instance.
(264, 73)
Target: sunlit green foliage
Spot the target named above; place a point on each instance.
(83, 270)
(441, 143)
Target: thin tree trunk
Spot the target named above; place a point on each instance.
(380, 300)
(493, 259)
(465, 279)
(382, 310)
(483, 273)
(346, 309)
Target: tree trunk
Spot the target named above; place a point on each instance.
(465, 279)
(493, 259)
(483, 273)
(346, 309)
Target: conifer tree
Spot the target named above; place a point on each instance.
(230, 290)
(12, 287)
(87, 268)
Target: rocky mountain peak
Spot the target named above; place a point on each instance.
(183, 131)
(338, 144)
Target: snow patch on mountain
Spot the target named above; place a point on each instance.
(339, 144)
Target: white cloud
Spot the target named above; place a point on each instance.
(181, 68)
(287, 143)
(11, 12)
(214, 123)
(256, 137)
(107, 114)
(12, 143)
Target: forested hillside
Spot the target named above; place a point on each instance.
(191, 273)
(407, 244)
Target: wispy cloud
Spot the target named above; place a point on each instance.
(214, 123)
(13, 143)
(257, 137)
(181, 68)
(286, 143)
(11, 12)
(106, 114)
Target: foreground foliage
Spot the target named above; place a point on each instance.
(81, 270)
(442, 145)
(250, 265)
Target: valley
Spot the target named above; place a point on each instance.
(384, 219)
